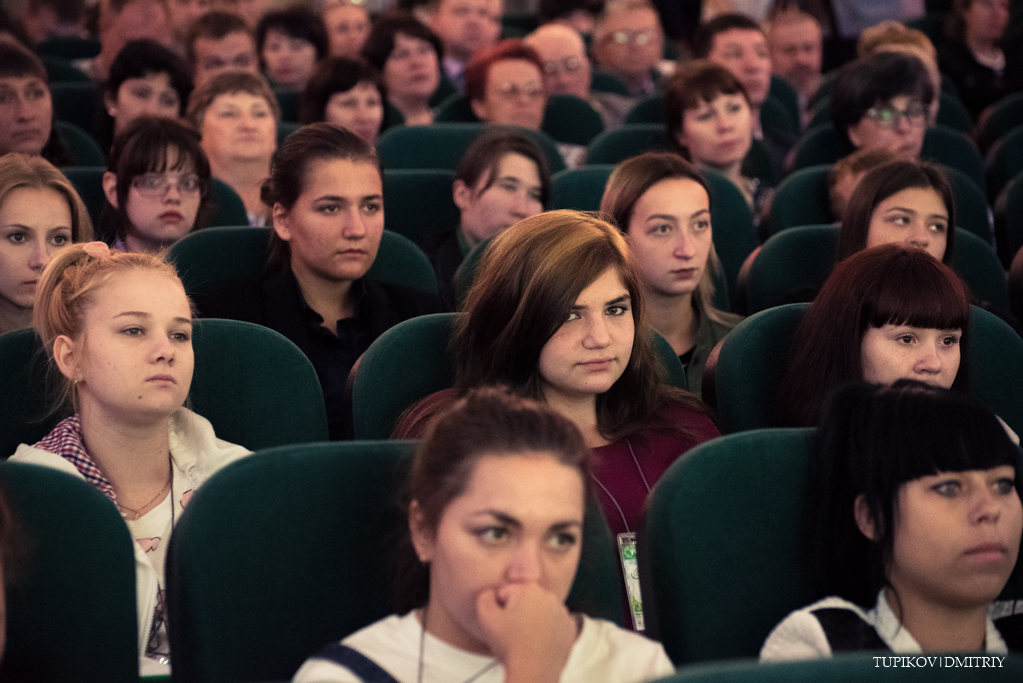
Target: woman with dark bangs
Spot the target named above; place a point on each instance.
(884, 314)
(347, 93)
(156, 183)
(916, 522)
(903, 202)
(290, 42)
(557, 314)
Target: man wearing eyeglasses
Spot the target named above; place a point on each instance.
(567, 71)
(628, 43)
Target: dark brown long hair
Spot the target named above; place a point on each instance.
(872, 288)
(526, 285)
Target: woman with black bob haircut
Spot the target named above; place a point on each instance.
(156, 185)
(901, 202)
(290, 43)
(408, 56)
(347, 93)
(914, 519)
(883, 101)
(26, 122)
(146, 79)
(885, 313)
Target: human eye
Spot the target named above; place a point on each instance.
(181, 336)
(189, 183)
(1005, 485)
(950, 340)
(492, 535)
(733, 107)
(939, 227)
(133, 331)
(705, 115)
(373, 207)
(329, 209)
(17, 237)
(61, 239)
(7, 95)
(35, 92)
(509, 186)
(618, 310)
(660, 229)
(949, 488)
(701, 224)
(149, 181)
(169, 100)
(562, 541)
(573, 315)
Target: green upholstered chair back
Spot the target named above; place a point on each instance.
(227, 208)
(293, 548)
(412, 360)
(288, 102)
(210, 258)
(284, 129)
(754, 357)
(403, 365)
(418, 202)
(71, 614)
(606, 82)
(802, 199)
(848, 668)
(954, 149)
(972, 212)
(734, 235)
(445, 89)
(1009, 220)
(75, 102)
(455, 109)
(722, 553)
(1006, 114)
(580, 188)
(25, 415)
(572, 120)
(612, 147)
(793, 264)
(1004, 161)
(821, 144)
(69, 47)
(951, 113)
(81, 147)
(88, 182)
(648, 110)
(60, 70)
(750, 365)
(784, 94)
(442, 145)
(774, 114)
(255, 386)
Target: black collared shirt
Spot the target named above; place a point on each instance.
(334, 355)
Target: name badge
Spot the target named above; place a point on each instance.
(630, 570)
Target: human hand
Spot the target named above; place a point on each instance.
(528, 629)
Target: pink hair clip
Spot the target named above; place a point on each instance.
(96, 249)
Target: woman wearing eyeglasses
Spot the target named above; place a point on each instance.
(882, 101)
(505, 85)
(155, 184)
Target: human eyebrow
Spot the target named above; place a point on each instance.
(661, 217)
(135, 314)
(183, 321)
(623, 299)
(373, 198)
(332, 198)
(700, 213)
(566, 525)
(501, 517)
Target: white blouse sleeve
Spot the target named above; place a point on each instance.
(798, 636)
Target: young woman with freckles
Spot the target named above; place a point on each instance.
(118, 331)
(914, 496)
(497, 493)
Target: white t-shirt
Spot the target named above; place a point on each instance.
(801, 636)
(602, 652)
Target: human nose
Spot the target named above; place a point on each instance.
(597, 335)
(520, 206)
(685, 246)
(354, 227)
(524, 565)
(25, 110)
(163, 349)
(39, 255)
(929, 362)
(919, 237)
(985, 506)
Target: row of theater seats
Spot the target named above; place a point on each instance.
(290, 549)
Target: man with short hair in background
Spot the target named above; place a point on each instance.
(796, 44)
(220, 41)
(465, 27)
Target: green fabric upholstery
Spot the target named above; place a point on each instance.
(284, 129)
(1009, 220)
(71, 617)
(852, 668)
(648, 110)
(419, 203)
(24, 415)
(75, 102)
(951, 113)
(210, 258)
(794, 263)
(88, 182)
(466, 273)
(580, 189)
(784, 94)
(572, 120)
(69, 48)
(227, 207)
(822, 144)
(774, 114)
(406, 363)
(750, 365)
(1004, 162)
(606, 82)
(445, 89)
(615, 146)
(802, 199)
(81, 147)
(411, 360)
(722, 551)
(255, 386)
(566, 118)
(1006, 114)
(288, 102)
(753, 358)
(284, 552)
(60, 70)
(442, 145)
(759, 164)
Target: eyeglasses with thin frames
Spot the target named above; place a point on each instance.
(153, 185)
(511, 91)
(639, 37)
(569, 64)
(888, 115)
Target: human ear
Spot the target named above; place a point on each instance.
(110, 105)
(422, 534)
(461, 194)
(65, 355)
(280, 222)
(480, 109)
(864, 519)
(854, 136)
(680, 138)
(110, 188)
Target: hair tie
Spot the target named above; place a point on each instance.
(98, 250)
